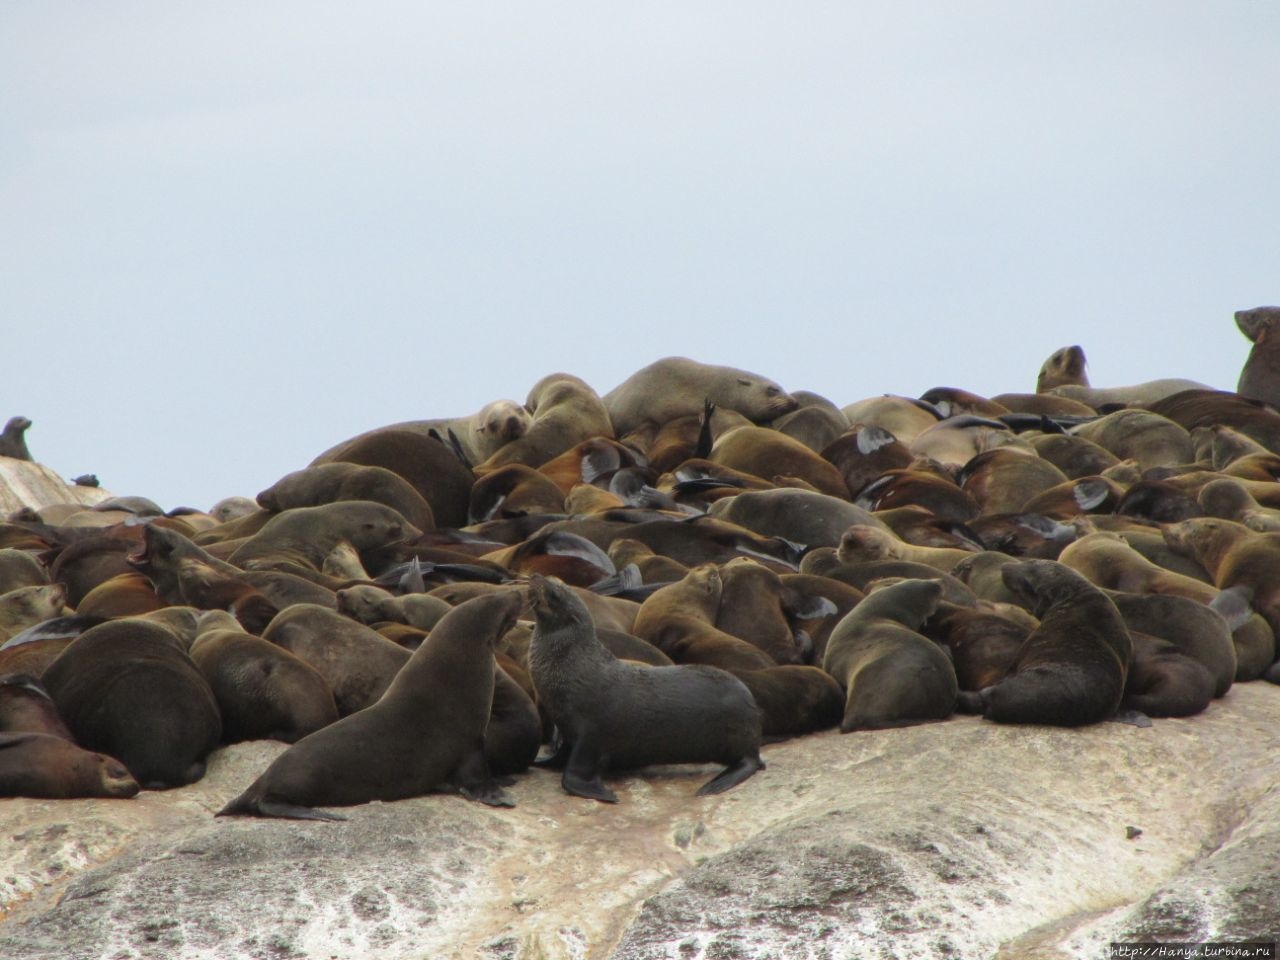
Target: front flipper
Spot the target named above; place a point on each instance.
(582, 773)
(731, 776)
(474, 781)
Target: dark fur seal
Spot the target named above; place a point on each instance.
(1073, 667)
(614, 715)
(13, 441)
(128, 688)
(425, 734)
(42, 765)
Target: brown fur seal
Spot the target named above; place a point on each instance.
(677, 386)
(863, 544)
(816, 423)
(794, 700)
(425, 734)
(863, 453)
(1165, 682)
(20, 569)
(566, 411)
(1075, 456)
(428, 464)
(1004, 479)
(679, 619)
(477, 436)
(892, 675)
(514, 490)
(756, 605)
(263, 691)
(1072, 669)
(1140, 435)
(771, 455)
(128, 688)
(334, 482)
(13, 441)
(902, 417)
(926, 488)
(1260, 376)
(1236, 558)
(1064, 374)
(957, 440)
(45, 766)
(26, 707)
(801, 516)
(26, 606)
(356, 661)
(1196, 630)
(614, 715)
(298, 540)
(984, 646)
(124, 595)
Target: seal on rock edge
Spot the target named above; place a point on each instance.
(614, 715)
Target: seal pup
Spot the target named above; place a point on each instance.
(1073, 667)
(425, 734)
(892, 676)
(615, 715)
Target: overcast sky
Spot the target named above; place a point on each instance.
(233, 234)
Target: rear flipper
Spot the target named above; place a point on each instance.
(559, 755)
(732, 775)
(246, 806)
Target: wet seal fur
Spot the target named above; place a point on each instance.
(425, 734)
(614, 715)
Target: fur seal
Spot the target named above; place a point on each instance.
(565, 411)
(892, 675)
(356, 661)
(1004, 479)
(1063, 373)
(1148, 438)
(1165, 682)
(26, 707)
(1072, 669)
(902, 417)
(45, 766)
(299, 540)
(477, 436)
(129, 689)
(863, 453)
(428, 464)
(771, 455)
(20, 569)
(1195, 629)
(680, 620)
(801, 516)
(425, 734)
(26, 606)
(334, 482)
(793, 699)
(758, 606)
(124, 595)
(677, 386)
(13, 442)
(1260, 376)
(863, 544)
(263, 691)
(614, 715)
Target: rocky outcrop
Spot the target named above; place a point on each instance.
(24, 483)
(954, 839)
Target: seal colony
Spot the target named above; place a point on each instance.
(674, 572)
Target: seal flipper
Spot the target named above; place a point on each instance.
(559, 755)
(1133, 717)
(474, 781)
(731, 775)
(250, 806)
(582, 773)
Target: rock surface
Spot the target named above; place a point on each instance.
(25, 483)
(954, 839)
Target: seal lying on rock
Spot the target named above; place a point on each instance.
(614, 715)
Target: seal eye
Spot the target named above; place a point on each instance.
(771, 391)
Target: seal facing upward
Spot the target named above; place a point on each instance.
(614, 715)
